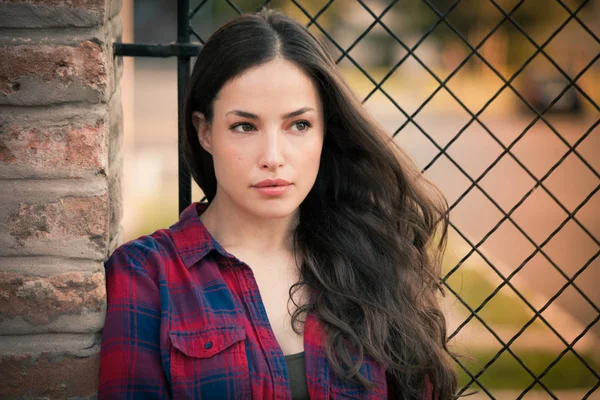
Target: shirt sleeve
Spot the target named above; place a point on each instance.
(130, 357)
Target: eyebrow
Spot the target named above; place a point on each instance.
(249, 115)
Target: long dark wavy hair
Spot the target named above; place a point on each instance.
(371, 231)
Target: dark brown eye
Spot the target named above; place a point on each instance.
(302, 126)
(242, 128)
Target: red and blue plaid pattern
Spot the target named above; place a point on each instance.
(185, 320)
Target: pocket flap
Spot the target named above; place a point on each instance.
(208, 342)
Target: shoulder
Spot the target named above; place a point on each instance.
(163, 240)
(143, 256)
(146, 245)
(176, 248)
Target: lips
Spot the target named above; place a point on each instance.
(272, 183)
(272, 188)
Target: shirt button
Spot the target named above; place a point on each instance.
(208, 345)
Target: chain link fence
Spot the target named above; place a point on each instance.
(518, 81)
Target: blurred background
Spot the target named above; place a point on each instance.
(497, 102)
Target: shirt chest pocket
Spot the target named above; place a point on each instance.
(210, 363)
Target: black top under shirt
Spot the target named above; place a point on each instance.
(296, 371)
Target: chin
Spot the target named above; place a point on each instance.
(274, 208)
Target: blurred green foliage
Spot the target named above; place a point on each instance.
(507, 373)
(505, 308)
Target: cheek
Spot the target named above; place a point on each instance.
(312, 155)
(233, 167)
(229, 161)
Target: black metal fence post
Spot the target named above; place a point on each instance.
(183, 74)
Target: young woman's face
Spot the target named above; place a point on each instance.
(267, 125)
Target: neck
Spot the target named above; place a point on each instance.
(234, 229)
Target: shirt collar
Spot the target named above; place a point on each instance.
(192, 240)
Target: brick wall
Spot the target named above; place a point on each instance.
(60, 206)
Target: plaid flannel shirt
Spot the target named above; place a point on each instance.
(185, 320)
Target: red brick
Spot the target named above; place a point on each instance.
(39, 300)
(69, 217)
(48, 375)
(57, 13)
(83, 64)
(97, 5)
(77, 147)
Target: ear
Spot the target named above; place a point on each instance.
(203, 129)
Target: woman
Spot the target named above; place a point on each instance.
(310, 272)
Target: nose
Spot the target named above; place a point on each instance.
(272, 154)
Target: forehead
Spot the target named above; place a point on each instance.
(278, 86)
